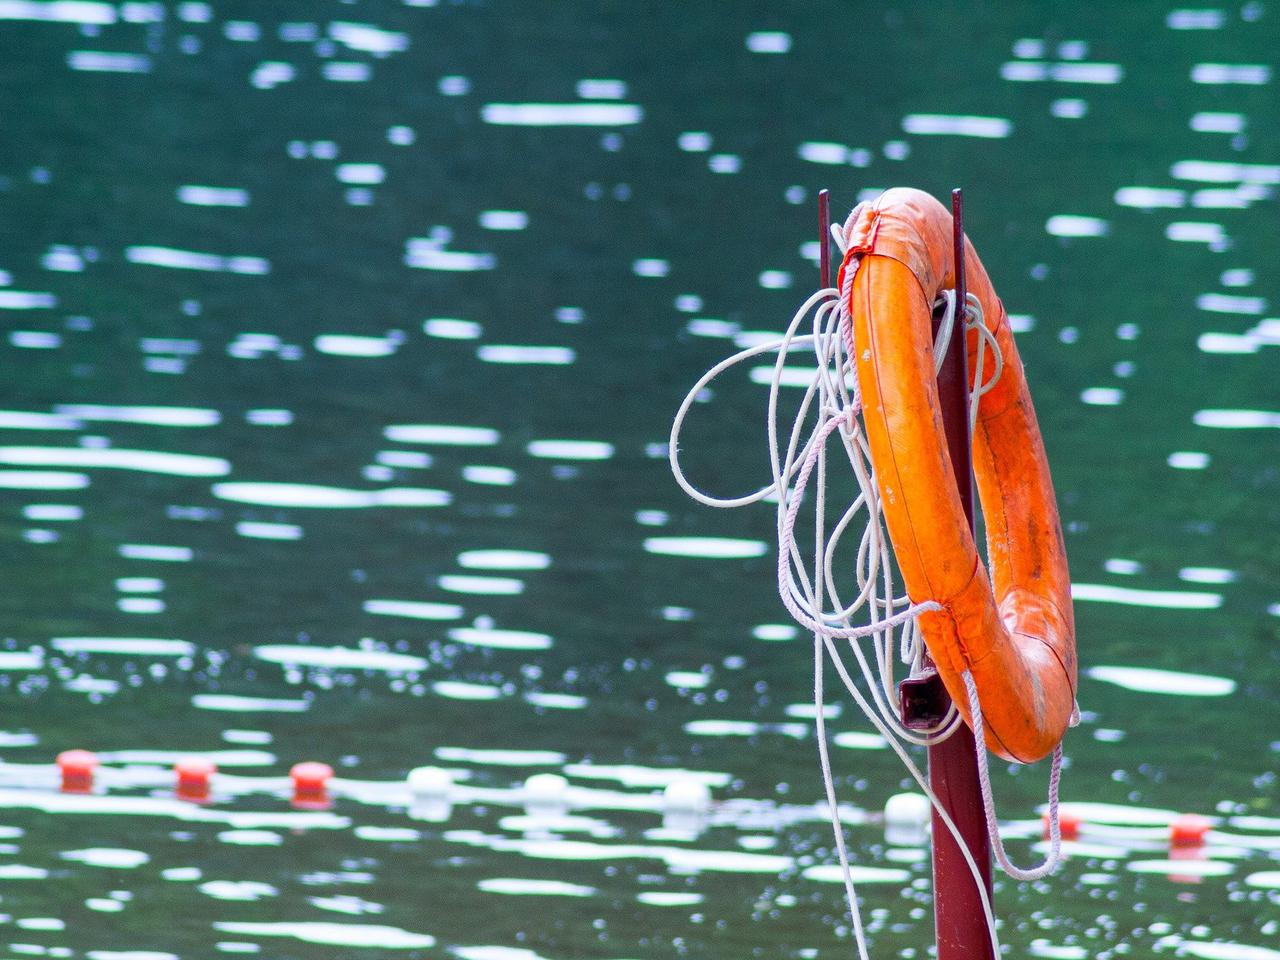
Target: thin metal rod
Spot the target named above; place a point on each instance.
(953, 768)
(824, 238)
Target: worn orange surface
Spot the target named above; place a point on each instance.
(1012, 627)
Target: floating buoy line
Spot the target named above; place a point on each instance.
(901, 241)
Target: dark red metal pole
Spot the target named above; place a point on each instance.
(824, 238)
(953, 767)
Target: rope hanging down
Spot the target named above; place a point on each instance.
(811, 595)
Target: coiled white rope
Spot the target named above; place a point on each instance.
(835, 397)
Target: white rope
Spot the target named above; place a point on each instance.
(988, 803)
(833, 400)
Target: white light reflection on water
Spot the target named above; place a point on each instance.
(350, 345)
(24, 420)
(314, 496)
(501, 639)
(461, 690)
(510, 354)
(1130, 596)
(258, 530)
(164, 554)
(193, 260)
(503, 560)
(1237, 419)
(26, 300)
(721, 548)
(109, 857)
(237, 704)
(125, 646)
(556, 701)
(668, 898)
(42, 480)
(145, 461)
(1223, 950)
(562, 114)
(339, 658)
(503, 758)
(100, 61)
(632, 775)
(333, 934)
(1149, 680)
(964, 126)
(515, 886)
(200, 196)
(570, 449)
(450, 329)
(491, 586)
(832, 873)
(1072, 225)
(88, 12)
(413, 609)
(154, 416)
(443, 434)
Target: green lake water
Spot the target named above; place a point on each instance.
(340, 346)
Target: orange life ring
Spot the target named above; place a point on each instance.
(1018, 641)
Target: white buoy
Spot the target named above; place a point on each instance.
(686, 796)
(431, 782)
(906, 820)
(686, 804)
(546, 795)
(431, 790)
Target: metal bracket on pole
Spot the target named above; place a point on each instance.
(824, 238)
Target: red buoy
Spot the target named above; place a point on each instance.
(195, 775)
(77, 767)
(311, 784)
(1068, 824)
(1189, 830)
